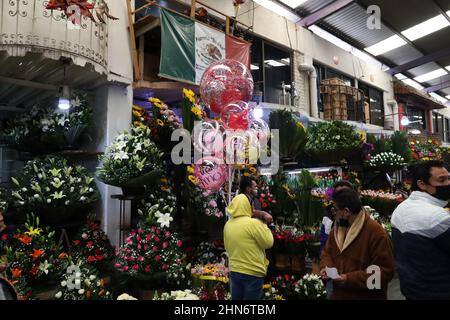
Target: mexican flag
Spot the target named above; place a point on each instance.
(188, 47)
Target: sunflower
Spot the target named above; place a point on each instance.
(252, 170)
(155, 100)
(138, 124)
(137, 108)
(159, 122)
(137, 113)
(190, 169)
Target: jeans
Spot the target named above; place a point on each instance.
(246, 287)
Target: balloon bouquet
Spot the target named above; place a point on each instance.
(226, 88)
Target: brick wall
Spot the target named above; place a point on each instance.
(301, 82)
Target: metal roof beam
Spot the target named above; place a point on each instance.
(324, 12)
(440, 86)
(420, 61)
(29, 84)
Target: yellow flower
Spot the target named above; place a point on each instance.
(137, 113)
(193, 179)
(158, 105)
(137, 108)
(196, 111)
(138, 124)
(252, 170)
(189, 94)
(33, 231)
(246, 174)
(159, 122)
(165, 188)
(267, 286)
(155, 100)
(190, 169)
(163, 180)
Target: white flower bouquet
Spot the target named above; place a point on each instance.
(386, 161)
(310, 287)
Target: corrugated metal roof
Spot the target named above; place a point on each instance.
(34, 67)
(425, 68)
(439, 80)
(403, 54)
(311, 6)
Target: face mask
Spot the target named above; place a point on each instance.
(442, 192)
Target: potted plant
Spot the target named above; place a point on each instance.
(131, 162)
(56, 191)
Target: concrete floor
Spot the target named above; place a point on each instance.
(394, 289)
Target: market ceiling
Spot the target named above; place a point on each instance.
(413, 41)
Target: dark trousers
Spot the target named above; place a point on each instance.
(246, 287)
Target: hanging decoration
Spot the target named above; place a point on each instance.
(75, 9)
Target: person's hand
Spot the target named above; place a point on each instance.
(323, 274)
(267, 218)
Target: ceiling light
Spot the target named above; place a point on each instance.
(401, 76)
(253, 67)
(386, 45)
(438, 97)
(293, 3)
(431, 75)
(278, 9)
(427, 27)
(274, 63)
(404, 121)
(287, 60)
(413, 84)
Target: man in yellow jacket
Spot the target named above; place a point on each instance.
(246, 240)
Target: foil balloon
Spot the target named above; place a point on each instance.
(260, 128)
(235, 116)
(207, 137)
(225, 82)
(241, 147)
(211, 173)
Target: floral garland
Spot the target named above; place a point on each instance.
(52, 182)
(131, 155)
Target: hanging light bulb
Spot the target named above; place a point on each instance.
(404, 121)
(64, 102)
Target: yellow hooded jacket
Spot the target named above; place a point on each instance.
(246, 239)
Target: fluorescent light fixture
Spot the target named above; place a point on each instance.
(427, 27)
(401, 76)
(274, 63)
(431, 75)
(287, 60)
(278, 9)
(413, 84)
(448, 97)
(253, 67)
(404, 121)
(293, 3)
(438, 97)
(258, 113)
(386, 45)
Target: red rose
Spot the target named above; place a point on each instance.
(156, 239)
(76, 242)
(91, 259)
(139, 230)
(153, 229)
(157, 258)
(138, 238)
(4, 237)
(99, 257)
(165, 244)
(165, 267)
(90, 244)
(117, 265)
(125, 268)
(147, 269)
(264, 205)
(149, 237)
(133, 233)
(167, 234)
(141, 258)
(146, 247)
(98, 251)
(179, 243)
(131, 258)
(135, 267)
(158, 231)
(155, 249)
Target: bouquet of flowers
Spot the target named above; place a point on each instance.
(209, 253)
(266, 198)
(386, 161)
(50, 125)
(383, 202)
(211, 271)
(177, 295)
(285, 285)
(190, 111)
(425, 150)
(296, 242)
(92, 246)
(310, 287)
(84, 285)
(33, 255)
(131, 157)
(312, 235)
(49, 185)
(385, 222)
(332, 141)
(159, 204)
(149, 252)
(271, 293)
(162, 122)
